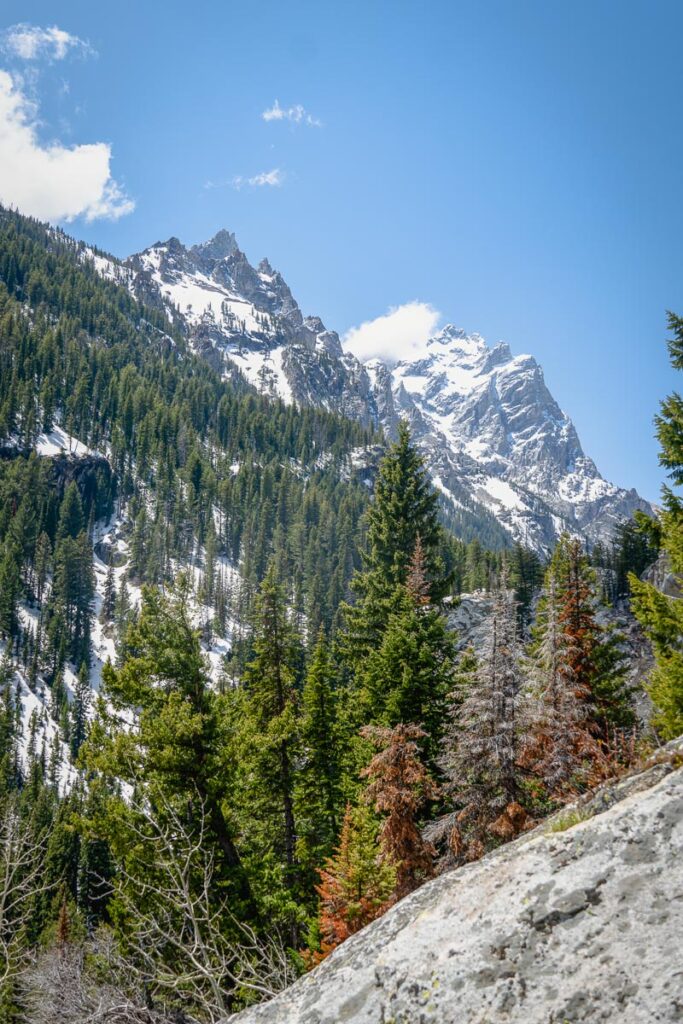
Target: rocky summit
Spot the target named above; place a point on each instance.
(506, 458)
(578, 920)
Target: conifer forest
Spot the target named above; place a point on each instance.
(256, 686)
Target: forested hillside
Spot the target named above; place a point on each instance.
(232, 698)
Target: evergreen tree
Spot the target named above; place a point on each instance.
(139, 547)
(526, 576)
(318, 791)
(108, 609)
(482, 754)
(71, 521)
(210, 553)
(43, 564)
(10, 587)
(356, 884)
(634, 551)
(271, 728)
(408, 676)
(662, 616)
(79, 710)
(560, 737)
(123, 615)
(72, 596)
(595, 660)
(59, 701)
(404, 509)
(175, 746)
(10, 727)
(399, 786)
(476, 571)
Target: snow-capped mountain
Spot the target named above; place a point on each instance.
(490, 427)
(245, 317)
(503, 453)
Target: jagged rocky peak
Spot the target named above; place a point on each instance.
(456, 339)
(221, 245)
(494, 435)
(173, 246)
(453, 346)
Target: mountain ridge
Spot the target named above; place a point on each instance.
(497, 444)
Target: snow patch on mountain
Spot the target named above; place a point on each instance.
(57, 441)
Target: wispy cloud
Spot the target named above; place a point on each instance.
(31, 42)
(272, 178)
(401, 333)
(296, 114)
(53, 182)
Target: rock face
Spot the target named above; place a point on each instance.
(506, 458)
(580, 920)
(494, 435)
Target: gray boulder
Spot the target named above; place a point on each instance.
(580, 920)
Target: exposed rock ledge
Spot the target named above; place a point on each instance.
(584, 924)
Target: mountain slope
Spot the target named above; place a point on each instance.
(175, 470)
(507, 459)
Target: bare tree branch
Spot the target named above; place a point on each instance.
(21, 859)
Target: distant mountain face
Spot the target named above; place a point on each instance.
(498, 446)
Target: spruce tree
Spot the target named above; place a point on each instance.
(42, 564)
(481, 760)
(109, 596)
(10, 588)
(356, 884)
(633, 552)
(318, 790)
(526, 576)
(408, 676)
(660, 615)
(10, 728)
(175, 746)
(72, 595)
(123, 611)
(398, 786)
(71, 521)
(404, 509)
(595, 660)
(80, 706)
(271, 727)
(560, 736)
(208, 585)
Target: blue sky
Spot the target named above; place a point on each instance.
(514, 165)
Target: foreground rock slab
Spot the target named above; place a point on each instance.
(584, 923)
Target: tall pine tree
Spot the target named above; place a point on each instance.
(662, 616)
(408, 676)
(404, 509)
(271, 736)
(318, 790)
(482, 753)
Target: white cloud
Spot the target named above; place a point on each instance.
(272, 178)
(402, 333)
(53, 182)
(296, 114)
(30, 42)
